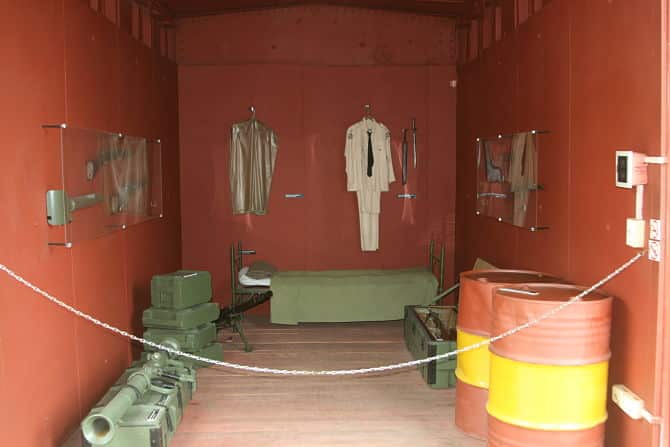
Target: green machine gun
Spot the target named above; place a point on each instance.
(145, 406)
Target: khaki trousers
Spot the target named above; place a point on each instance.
(368, 215)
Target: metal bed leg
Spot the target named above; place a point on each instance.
(237, 327)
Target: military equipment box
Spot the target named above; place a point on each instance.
(188, 340)
(430, 331)
(181, 289)
(188, 318)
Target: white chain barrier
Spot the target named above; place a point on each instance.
(338, 372)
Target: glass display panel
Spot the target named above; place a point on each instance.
(109, 182)
(508, 189)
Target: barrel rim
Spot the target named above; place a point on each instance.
(556, 427)
(604, 296)
(554, 362)
(476, 332)
(518, 271)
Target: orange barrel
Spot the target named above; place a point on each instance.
(548, 383)
(473, 326)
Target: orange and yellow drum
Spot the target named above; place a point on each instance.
(474, 325)
(548, 383)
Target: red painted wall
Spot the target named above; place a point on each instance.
(62, 62)
(317, 35)
(310, 105)
(590, 73)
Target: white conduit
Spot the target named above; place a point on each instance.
(340, 372)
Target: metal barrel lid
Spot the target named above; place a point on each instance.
(577, 335)
(476, 295)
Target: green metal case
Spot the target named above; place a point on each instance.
(188, 318)
(181, 289)
(188, 340)
(424, 339)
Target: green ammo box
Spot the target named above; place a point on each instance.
(181, 289)
(188, 318)
(430, 331)
(188, 340)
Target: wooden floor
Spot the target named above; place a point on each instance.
(393, 409)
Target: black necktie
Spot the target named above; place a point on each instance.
(371, 157)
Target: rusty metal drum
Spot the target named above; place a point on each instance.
(474, 326)
(548, 383)
(470, 404)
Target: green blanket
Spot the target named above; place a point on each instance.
(348, 295)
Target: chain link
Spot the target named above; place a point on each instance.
(338, 372)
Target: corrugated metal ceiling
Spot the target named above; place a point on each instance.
(192, 8)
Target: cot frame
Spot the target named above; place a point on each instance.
(237, 254)
(232, 315)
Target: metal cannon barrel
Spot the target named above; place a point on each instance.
(475, 316)
(100, 428)
(549, 382)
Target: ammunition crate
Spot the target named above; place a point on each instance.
(188, 318)
(181, 289)
(189, 340)
(430, 331)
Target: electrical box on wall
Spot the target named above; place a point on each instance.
(631, 169)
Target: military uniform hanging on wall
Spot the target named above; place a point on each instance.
(253, 151)
(369, 168)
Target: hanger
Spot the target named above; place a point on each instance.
(368, 112)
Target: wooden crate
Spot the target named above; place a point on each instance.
(425, 337)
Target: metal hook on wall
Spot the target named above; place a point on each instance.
(252, 109)
(368, 110)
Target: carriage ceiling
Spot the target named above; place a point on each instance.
(194, 8)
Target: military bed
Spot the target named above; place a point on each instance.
(342, 295)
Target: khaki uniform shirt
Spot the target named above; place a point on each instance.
(356, 153)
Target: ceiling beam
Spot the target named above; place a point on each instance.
(195, 8)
